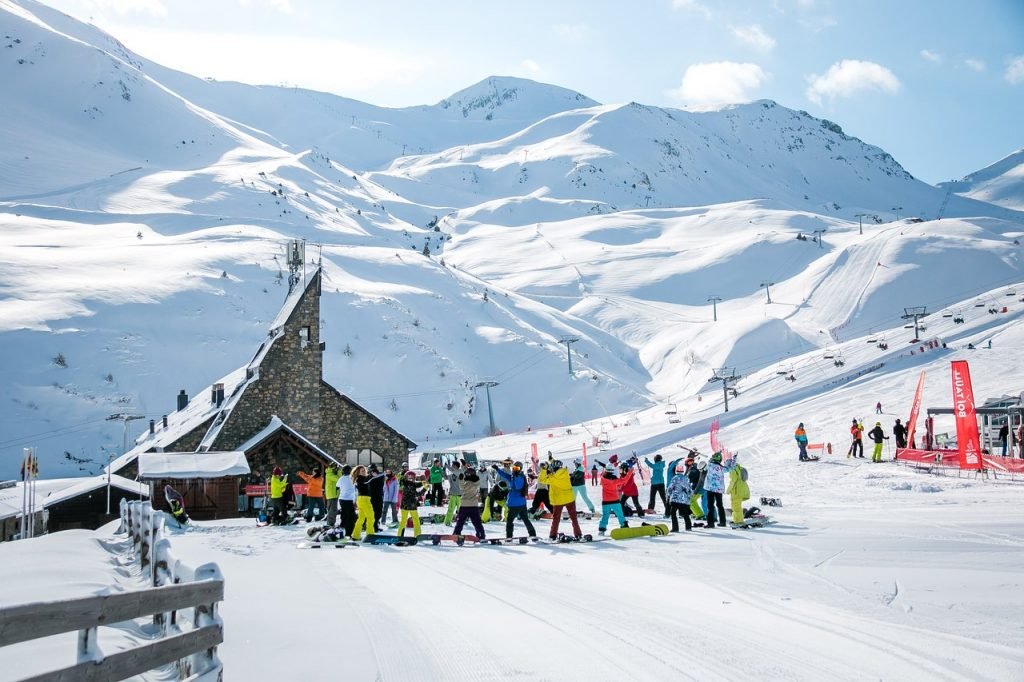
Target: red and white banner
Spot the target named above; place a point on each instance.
(967, 438)
(584, 455)
(915, 410)
(534, 457)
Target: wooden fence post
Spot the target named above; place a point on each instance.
(206, 662)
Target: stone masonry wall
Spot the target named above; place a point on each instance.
(345, 427)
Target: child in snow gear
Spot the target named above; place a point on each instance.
(364, 506)
(331, 477)
(578, 478)
(900, 431)
(611, 488)
(436, 473)
(454, 492)
(595, 475)
(314, 494)
(679, 494)
(516, 500)
(877, 435)
(562, 497)
(177, 504)
(801, 441)
(410, 503)
(857, 444)
(738, 490)
(714, 484)
(629, 491)
(469, 487)
(347, 500)
(657, 468)
(695, 472)
(495, 504)
(278, 485)
(390, 496)
(541, 496)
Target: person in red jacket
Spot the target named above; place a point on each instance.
(611, 488)
(630, 491)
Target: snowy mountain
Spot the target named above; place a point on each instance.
(1000, 183)
(143, 214)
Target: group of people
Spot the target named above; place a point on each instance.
(856, 449)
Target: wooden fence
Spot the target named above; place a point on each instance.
(181, 601)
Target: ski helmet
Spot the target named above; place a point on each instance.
(555, 465)
(681, 468)
(278, 472)
(410, 473)
(878, 423)
(518, 465)
(578, 462)
(855, 421)
(716, 458)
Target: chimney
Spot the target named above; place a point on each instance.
(217, 394)
(182, 400)
(165, 421)
(152, 427)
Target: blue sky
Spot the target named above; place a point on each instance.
(937, 83)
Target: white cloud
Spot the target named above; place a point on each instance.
(976, 64)
(1015, 70)
(693, 6)
(850, 76)
(531, 67)
(754, 35)
(122, 7)
(933, 57)
(332, 65)
(719, 83)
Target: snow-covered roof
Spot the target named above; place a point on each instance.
(273, 427)
(51, 491)
(192, 464)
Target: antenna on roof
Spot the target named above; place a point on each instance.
(296, 257)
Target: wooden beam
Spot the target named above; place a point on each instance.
(42, 619)
(139, 659)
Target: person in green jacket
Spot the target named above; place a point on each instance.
(331, 491)
(278, 486)
(738, 490)
(436, 473)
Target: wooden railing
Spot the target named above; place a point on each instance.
(191, 644)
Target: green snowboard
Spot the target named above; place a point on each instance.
(646, 530)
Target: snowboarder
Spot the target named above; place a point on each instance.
(900, 431)
(436, 473)
(331, 477)
(484, 474)
(278, 486)
(410, 503)
(595, 475)
(390, 497)
(679, 493)
(657, 468)
(365, 520)
(347, 500)
(738, 490)
(630, 491)
(878, 407)
(454, 474)
(177, 505)
(857, 444)
(314, 494)
(714, 485)
(469, 492)
(578, 478)
(495, 504)
(611, 488)
(695, 473)
(541, 496)
(516, 500)
(877, 435)
(800, 435)
(377, 496)
(562, 496)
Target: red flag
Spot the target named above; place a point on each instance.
(915, 410)
(967, 438)
(584, 455)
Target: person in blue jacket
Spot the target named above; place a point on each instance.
(516, 500)
(657, 468)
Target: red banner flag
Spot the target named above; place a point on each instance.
(967, 438)
(584, 455)
(915, 410)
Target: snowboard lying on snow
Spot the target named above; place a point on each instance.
(646, 530)
(318, 545)
(394, 540)
(459, 540)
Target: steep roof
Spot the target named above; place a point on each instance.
(55, 490)
(276, 425)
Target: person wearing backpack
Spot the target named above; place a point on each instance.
(856, 441)
(738, 490)
(469, 486)
(611, 488)
(679, 494)
(578, 478)
(516, 501)
(657, 468)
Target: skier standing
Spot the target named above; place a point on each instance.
(738, 490)
(390, 497)
(611, 488)
(578, 479)
(595, 475)
(410, 503)
(278, 486)
(878, 407)
(331, 477)
(454, 491)
(657, 468)
(900, 431)
(347, 500)
(857, 434)
(1004, 435)
(800, 435)
(877, 435)
(695, 474)
(679, 494)
(714, 484)
(562, 497)
(314, 494)
(436, 473)
(630, 491)
(365, 519)
(469, 488)
(516, 500)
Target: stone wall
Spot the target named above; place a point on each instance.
(345, 426)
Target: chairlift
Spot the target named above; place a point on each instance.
(671, 409)
(872, 339)
(915, 340)
(603, 438)
(791, 377)
(883, 344)
(979, 304)
(829, 355)
(922, 327)
(1011, 292)
(839, 361)
(734, 393)
(674, 418)
(958, 318)
(947, 314)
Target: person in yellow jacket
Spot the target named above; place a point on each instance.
(278, 487)
(365, 517)
(738, 490)
(561, 495)
(331, 477)
(314, 494)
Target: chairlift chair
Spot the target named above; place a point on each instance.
(947, 314)
(979, 304)
(872, 339)
(1011, 292)
(829, 355)
(671, 409)
(603, 438)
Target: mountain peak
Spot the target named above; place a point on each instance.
(509, 97)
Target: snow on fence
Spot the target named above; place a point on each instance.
(176, 589)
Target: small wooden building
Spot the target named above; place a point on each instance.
(208, 482)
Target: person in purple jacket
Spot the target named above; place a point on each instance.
(390, 496)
